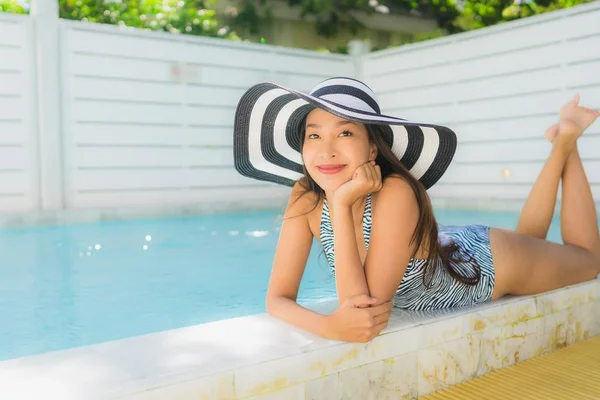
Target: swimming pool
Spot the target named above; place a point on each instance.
(79, 284)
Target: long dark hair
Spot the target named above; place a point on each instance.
(426, 231)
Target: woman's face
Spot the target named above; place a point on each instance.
(334, 148)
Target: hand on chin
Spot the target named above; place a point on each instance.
(365, 180)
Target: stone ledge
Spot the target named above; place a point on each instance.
(260, 358)
(269, 198)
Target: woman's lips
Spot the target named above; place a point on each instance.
(330, 169)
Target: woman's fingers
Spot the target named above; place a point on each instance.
(380, 309)
(373, 174)
(378, 176)
(359, 301)
(377, 329)
(368, 173)
(381, 318)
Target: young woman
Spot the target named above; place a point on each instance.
(359, 186)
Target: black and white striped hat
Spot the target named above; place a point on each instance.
(266, 136)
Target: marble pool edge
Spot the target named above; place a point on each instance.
(260, 358)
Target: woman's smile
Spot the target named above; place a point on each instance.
(330, 169)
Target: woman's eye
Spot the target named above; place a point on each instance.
(346, 133)
(313, 136)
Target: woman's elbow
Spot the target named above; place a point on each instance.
(270, 305)
(273, 304)
(383, 296)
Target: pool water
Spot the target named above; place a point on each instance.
(79, 284)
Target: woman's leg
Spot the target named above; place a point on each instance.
(578, 218)
(536, 215)
(527, 264)
(538, 210)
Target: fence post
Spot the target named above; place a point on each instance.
(47, 67)
(358, 49)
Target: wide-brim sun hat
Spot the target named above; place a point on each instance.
(267, 126)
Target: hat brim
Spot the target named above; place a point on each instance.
(266, 142)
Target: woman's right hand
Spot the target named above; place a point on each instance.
(356, 321)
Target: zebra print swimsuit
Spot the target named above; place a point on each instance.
(444, 291)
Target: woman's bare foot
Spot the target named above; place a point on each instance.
(574, 120)
(551, 133)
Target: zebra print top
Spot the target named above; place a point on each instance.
(444, 290)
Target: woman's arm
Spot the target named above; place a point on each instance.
(350, 277)
(292, 253)
(394, 221)
(353, 321)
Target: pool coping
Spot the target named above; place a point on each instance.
(34, 218)
(275, 203)
(219, 353)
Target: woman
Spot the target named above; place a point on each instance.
(359, 186)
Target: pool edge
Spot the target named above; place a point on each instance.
(258, 357)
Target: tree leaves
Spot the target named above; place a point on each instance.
(245, 19)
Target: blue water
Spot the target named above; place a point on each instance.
(72, 285)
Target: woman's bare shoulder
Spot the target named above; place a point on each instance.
(394, 187)
(396, 201)
(303, 202)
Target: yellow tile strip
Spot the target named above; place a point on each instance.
(569, 373)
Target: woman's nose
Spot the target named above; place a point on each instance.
(327, 150)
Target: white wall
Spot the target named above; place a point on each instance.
(499, 88)
(18, 150)
(135, 133)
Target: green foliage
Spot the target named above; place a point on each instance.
(198, 17)
(482, 13)
(452, 16)
(176, 16)
(14, 7)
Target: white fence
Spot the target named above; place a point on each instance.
(148, 117)
(499, 88)
(145, 118)
(18, 130)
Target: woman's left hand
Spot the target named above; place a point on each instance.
(366, 179)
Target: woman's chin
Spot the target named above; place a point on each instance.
(330, 185)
